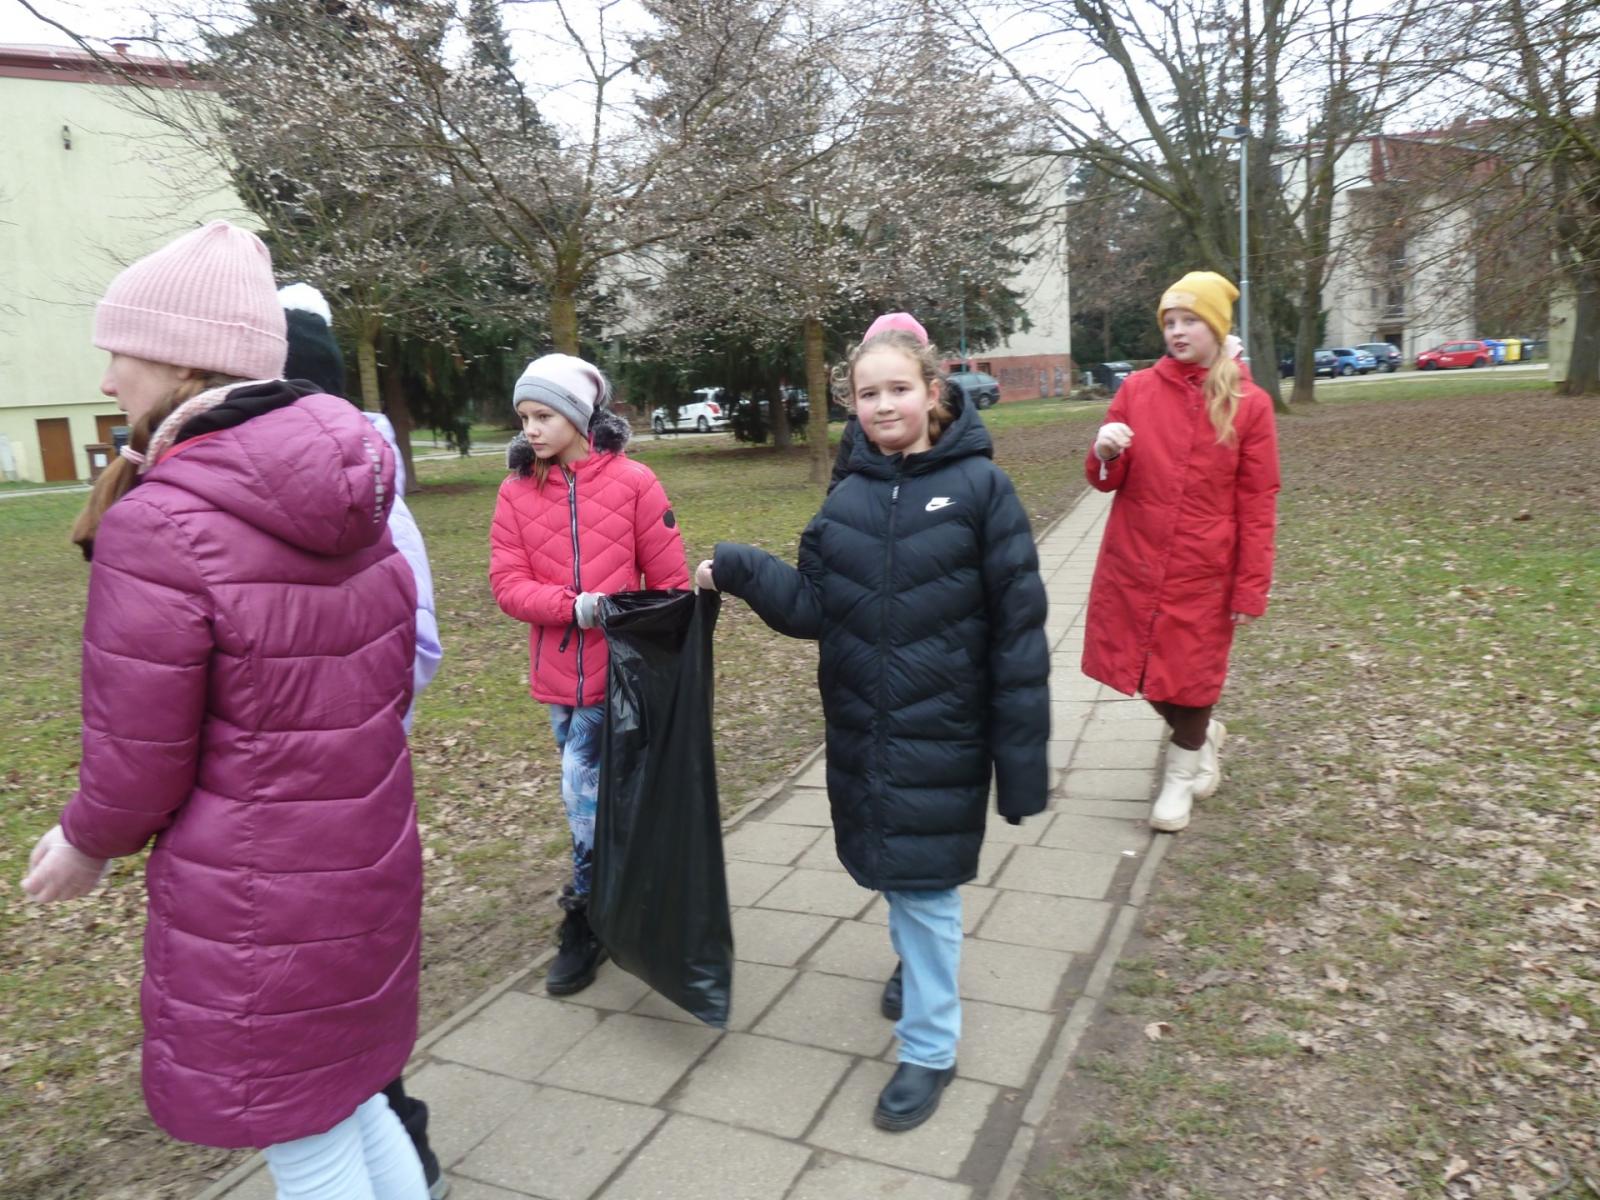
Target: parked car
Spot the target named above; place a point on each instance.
(1110, 375)
(978, 389)
(1387, 354)
(1353, 361)
(1326, 364)
(1455, 354)
(710, 409)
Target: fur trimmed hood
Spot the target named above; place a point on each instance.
(608, 434)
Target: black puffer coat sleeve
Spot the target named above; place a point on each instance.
(787, 599)
(1019, 656)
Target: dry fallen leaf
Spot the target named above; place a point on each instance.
(1157, 1030)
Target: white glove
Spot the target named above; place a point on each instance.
(586, 610)
(1113, 439)
(1232, 347)
(57, 870)
(703, 579)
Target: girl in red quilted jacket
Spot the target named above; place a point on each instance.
(1191, 451)
(576, 520)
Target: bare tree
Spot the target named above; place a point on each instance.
(890, 209)
(1153, 91)
(1532, 83)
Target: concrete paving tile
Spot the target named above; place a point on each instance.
(1059, 872)
(769, 935)
(831, 1012)
(1026, 834)
(1021, 976)
(1110, 785)
(692, 1159)
(826, 893)
(613, 989)
(757, 841)
(1132, 729)
(749, 881)
(631, 1058)
(999, 1044)
(1100, 835)
(823, 855)
(755, 986)
(1125, 810)
(857, 949)
(1051, 922)
(470, 1189)
(1124, 755)
(938, 1147)
(518, 1035)
(761, 1083)
(464, 1105)
(256, 1187)
(814, 776)
(805, 806)
(560, 1145)
(835, 1178)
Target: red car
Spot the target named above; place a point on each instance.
(1455, 354)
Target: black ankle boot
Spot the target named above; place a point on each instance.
(893, 1003)
(580, 953)
(910, 1097)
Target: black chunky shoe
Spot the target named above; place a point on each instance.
(580, 953)
(910, 1097)
(893, 1003)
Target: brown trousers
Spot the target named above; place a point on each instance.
(1188, 724)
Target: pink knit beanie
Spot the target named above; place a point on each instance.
(207, 301)
(901, 321)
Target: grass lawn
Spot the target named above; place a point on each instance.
(1378, 947)
(71, 1117)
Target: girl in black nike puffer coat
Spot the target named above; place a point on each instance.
(920, 579)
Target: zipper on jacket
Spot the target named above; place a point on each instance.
(577, 568)
(883, 646)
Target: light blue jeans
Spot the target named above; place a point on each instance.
(577, 733)
(925, 928)
(366, 1156)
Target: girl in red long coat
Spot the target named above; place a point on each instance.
(1190, 449)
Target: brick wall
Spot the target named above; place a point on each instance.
(1026, 376)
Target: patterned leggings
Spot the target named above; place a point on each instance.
(577, 733)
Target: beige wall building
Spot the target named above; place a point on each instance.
(90, 184)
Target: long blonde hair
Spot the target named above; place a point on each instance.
(118, 478)
(1222, 391)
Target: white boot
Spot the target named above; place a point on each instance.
(1171, 810)
(1205, 784)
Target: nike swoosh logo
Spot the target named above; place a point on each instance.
(939, 502)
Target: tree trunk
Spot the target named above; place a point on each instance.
(1583, 363)
(564, 318)
(367, 361)
(778, 407)
(1305, 336)
(398, 409)
(817, 391)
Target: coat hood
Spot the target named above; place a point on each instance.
(608, 434)
(965, 437)
(306, 468)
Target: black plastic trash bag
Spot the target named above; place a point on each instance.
(659, 901)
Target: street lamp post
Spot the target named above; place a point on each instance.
(1241, 134)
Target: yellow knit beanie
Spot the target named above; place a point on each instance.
(1206, 294)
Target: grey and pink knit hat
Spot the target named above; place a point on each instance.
(206, 300)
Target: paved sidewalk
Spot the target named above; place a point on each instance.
(615, 1094)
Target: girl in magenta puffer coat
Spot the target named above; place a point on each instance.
(246, 672)
(1190, 449)
(575, 521)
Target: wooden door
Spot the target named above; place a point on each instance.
(103, 425)
(55, 450)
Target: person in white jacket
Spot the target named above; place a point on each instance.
(314, 356)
